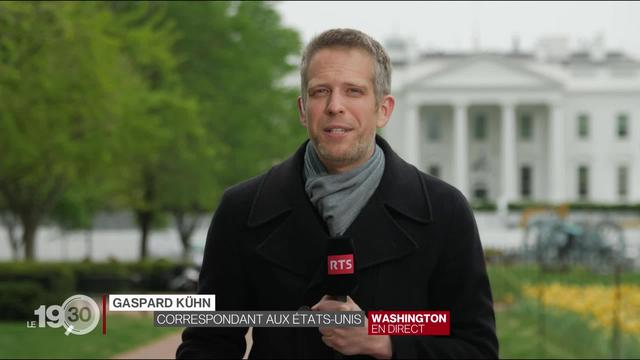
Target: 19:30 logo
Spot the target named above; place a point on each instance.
(79, 315)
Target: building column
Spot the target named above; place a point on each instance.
(557, 177)
(634, 177)
(461, 148)
(508, 154)
(412, 136)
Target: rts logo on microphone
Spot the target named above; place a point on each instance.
(340, 264)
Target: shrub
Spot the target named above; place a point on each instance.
(57, 279)
(18, 300)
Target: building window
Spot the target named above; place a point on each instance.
(434, 170)
(480, 193)
(583, 182)
(583, 126)
(434, 127)
(480, 127)
(623, 126)
(623, 181)
(526, 127)
(525, 182)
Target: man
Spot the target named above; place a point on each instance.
(415, 240)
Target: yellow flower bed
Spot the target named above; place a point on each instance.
(595, 302)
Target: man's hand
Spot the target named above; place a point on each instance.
(352, 340)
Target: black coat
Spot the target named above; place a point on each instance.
(416, 247)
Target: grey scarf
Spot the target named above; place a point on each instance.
(340, 197)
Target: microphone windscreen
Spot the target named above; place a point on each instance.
(340, 266)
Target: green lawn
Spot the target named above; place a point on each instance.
(123, 333)
(564, 334)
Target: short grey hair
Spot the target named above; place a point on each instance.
(349, 38)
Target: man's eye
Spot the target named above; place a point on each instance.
(354, 91)
(317, 92)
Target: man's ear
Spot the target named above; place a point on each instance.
(385, 110)
(301, 113)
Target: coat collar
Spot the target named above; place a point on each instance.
(281, 189)
(298, 240)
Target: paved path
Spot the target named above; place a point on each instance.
(164, 348)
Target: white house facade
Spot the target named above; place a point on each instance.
(517, 127)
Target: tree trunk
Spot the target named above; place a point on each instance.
(88, 244)
(144, 221)
(30, 208)
(185, 229)
(147, 214)
(9, 221)
(30, 227)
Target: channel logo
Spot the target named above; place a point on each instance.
(78, 315)
(340, 264)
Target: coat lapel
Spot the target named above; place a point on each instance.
(378, 237)
(298, 242)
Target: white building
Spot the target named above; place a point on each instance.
(547, 126)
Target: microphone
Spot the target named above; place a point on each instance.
(340, 266)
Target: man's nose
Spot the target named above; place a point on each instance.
(335, 104)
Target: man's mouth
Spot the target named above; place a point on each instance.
(337, 130)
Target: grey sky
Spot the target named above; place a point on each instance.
(452, 26)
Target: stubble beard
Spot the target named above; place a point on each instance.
(361, 150)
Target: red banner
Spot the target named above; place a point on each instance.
(409, 322)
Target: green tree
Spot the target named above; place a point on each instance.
(63, 86)
(233, 57)
(78, 205)
(151, 106)
(189, 185)
(162, 140)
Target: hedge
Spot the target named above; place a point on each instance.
(26, 285)
(574, 206)
(18, 300)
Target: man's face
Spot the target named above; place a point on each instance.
(340, 115)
